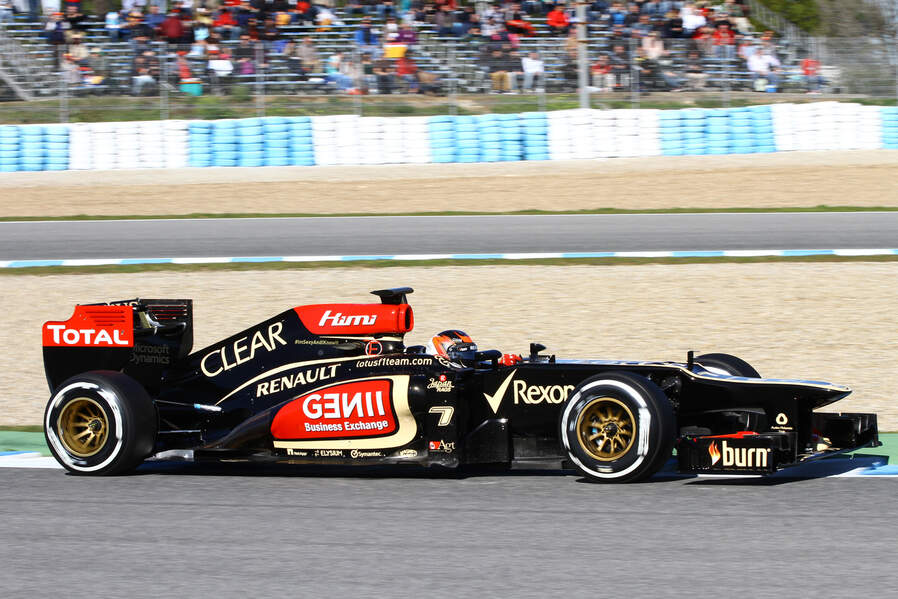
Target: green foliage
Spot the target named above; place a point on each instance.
(804, 13)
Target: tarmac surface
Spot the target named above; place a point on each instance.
(228, 533)
(323, 236)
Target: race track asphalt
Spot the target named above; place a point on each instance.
(186, 532)
(458, 234)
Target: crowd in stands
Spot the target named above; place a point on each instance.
(632, 45)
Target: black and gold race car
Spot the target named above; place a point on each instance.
(334, 384)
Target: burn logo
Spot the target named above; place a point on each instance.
(738, 457)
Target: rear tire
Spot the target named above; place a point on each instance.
(618, 427)
(100, 423)
(727, 364)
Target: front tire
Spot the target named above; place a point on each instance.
(100, 423)
(618, 427)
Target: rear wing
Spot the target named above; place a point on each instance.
(139, 337)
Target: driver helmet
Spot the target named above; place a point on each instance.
(449, 344)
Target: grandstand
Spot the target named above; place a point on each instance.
(29, 63)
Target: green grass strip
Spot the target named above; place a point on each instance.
(257, 266)
(740, 210)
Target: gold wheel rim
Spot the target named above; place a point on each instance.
(606, 429)
(83, 427)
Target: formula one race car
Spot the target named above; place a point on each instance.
(334, 384)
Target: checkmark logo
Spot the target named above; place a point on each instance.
(495, 400)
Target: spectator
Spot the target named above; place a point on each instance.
(154, 18)
(98, 64)
(365, 39)
(617, 14)
(172, 29)
(368, 80)
(113, 25)
(407, 71)
(692, 17)
(54, 31)
(695, 71)
(271, 36)
(445, 21)
(406, 35)
(71, 72)
(534, 71)
(764, 70)
(182, 66)
(385, 73)
(810, 70)
(558, 21)
(74, 20)
(724, 40)
(391, 30)
(308, 54)
(226, 25)
(220, 69)
(620, 68)
(244, 56)
(6, 11)
(497, 66)
(673, 26)
(654, 46)
(643, 27)
(77, 51)
(602, 78)
(335, 69)
(703, 40)
(142, 74)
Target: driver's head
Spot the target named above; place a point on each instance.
(449, 343)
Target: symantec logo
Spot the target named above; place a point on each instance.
(92, 326)
(351, 410)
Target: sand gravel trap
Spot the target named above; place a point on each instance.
(857, 178)
(834, 321)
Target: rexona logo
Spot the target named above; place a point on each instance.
(338, 320)
(242, 351)
(92, 326)
(536, 394)
(738, 457)
(350, 410)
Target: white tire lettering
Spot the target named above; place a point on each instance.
(645, 423)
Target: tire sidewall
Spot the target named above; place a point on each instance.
(127, 440)
(652, 427)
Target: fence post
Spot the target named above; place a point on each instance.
(63, 87)
(260, 79)
(357, 81)
(453, 80)
(163, 81)
(582, 56)
(634, 75)
(727, 79)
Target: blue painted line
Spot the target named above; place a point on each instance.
(30, 263)
(366, 257)
(698, 254)
(425, 257)
(881, 471)
(808, 252)
(5, 453)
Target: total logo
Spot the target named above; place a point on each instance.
(338, 320)
(441, 446)
(528, 394)
(82, 337)
(739, 457)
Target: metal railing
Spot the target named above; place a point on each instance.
(435, 76)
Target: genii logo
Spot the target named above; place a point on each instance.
(92, 326)
(350, 410)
